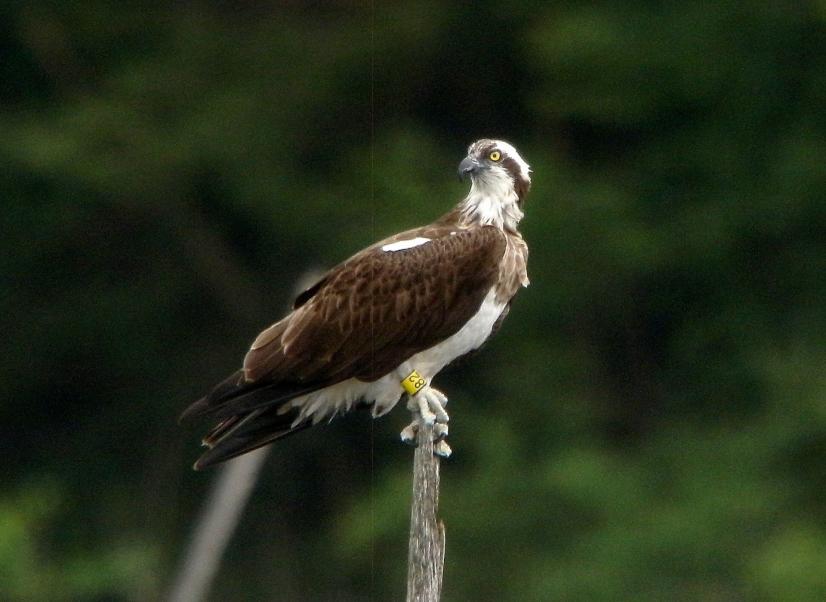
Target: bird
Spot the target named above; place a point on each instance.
(381, 325)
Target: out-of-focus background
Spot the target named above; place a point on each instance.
(650, 423)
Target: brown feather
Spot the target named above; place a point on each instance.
(372, 312)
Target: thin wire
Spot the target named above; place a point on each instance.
(372, 339)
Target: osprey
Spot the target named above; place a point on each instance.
(382, 324)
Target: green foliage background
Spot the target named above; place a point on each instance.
(650, 424)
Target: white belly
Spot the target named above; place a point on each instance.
(430, 361)
(385, 392)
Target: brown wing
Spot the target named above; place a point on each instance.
(377, 309)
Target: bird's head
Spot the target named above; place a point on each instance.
(496, 169)
(499, 181)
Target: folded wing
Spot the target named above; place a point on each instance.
(361, 320)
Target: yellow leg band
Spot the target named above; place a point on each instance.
(413, 383)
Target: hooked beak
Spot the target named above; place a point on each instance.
(468, 166)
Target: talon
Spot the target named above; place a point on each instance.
(442, 449)
(440, 430)
(409, 432)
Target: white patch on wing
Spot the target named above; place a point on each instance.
(385, 392)
(401, 245)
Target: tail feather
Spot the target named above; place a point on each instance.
(249, 415)
(262, 397)
(235, 384)
(241, 434)
(236, 395)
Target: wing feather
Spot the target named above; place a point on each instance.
(369, 314)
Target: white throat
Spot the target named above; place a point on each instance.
(492, 200)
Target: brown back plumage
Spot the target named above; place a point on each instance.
(375, 310)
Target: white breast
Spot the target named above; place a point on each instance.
(430, 361)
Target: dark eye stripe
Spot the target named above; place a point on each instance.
(512, 167)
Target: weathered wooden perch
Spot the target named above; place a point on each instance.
(426, 553)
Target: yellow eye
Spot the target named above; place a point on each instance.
(495, 155)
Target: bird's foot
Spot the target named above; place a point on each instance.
(410, 432)
(440, 446)
(442, 449)
(430, 404)
(428, 407)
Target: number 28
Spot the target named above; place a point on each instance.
(417, 381)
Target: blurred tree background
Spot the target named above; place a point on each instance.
(650, 424)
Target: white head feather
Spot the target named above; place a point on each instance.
(493, 197)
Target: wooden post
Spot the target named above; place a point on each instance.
(426, 552)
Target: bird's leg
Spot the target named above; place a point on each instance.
(428, 405)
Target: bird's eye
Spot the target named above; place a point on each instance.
(495, 156)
